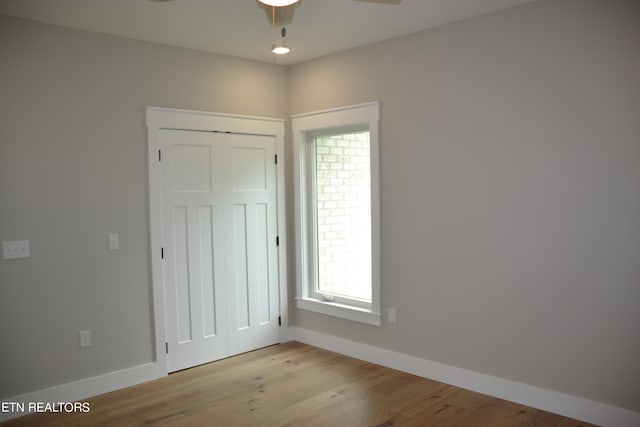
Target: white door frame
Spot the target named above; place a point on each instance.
(168, 118)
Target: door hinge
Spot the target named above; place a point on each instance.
(162, 253)
(276, 156)
(166, 347)
(279, 320)
(159, 155)
(277, 240)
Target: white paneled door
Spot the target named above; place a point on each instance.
(219, 245)
(250, 224)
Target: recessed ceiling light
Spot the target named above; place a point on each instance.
(280, 50)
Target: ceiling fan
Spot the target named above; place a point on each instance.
(279, 3)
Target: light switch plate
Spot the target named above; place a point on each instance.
(114, 242)
(85, 338)
(15, 249)
(392, 316)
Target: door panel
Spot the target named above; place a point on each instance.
(208, 300)
(263, 301)
(181, 273)
(191, 169)
(239, 274)
(249, 166)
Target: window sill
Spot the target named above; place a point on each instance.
(343, 311)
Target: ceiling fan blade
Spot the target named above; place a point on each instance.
(394, 2)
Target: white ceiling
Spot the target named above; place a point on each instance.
(242, 27)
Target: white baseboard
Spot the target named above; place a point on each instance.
(546, 400)
(85, 388)
(288, 334)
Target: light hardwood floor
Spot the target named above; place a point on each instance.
(294, 384)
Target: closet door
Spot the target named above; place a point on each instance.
(251, 224)
(219, 238)
(194, 248)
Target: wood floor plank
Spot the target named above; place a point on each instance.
(294, 384)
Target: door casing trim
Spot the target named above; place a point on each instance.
(158, 118)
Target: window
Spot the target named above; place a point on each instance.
(337, 212)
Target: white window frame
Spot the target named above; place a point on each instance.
(305, 127)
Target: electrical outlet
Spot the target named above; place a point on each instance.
(85, 338)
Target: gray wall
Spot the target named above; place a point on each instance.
(73, 170)
(510, 173)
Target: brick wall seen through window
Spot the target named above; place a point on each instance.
(343, 214)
